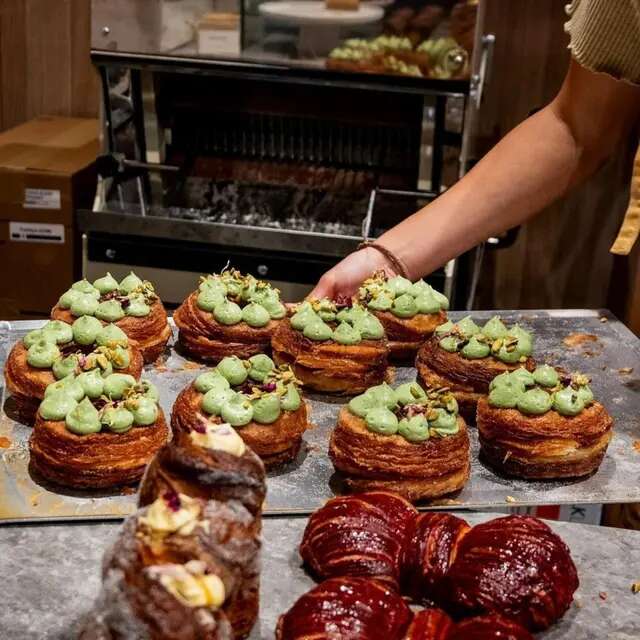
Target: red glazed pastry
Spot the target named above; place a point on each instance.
(346, 608)
(362, 535)
(489, 627)
(431, 624)
(515, 566)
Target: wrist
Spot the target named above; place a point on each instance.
(385, 258)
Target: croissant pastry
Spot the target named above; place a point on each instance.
(465, 358)
(542, 424)
(430, 624)
(183, 568)
(409, 312)
(57, 351)
(230, 314)
(406, 440)
(331, 349)
(513, 566)
(131, 304)
(95, 432)
(260, 400)
(215, 465)
(361, 535)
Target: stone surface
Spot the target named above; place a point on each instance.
(51, 576)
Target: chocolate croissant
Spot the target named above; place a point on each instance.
(208, 468)
(132, 305)
(346, 607)
(230, 314)
(513, 566)
(361, 535)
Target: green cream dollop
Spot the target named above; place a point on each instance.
(116, 419)
(444, 328)
(68, 298)
(427, 302)
(137, 307)
(37, 335)
(255, 315)
(261, 366)
(370, 327)
(56, 406)
(546, 376)
(449, 343)
(42, 354)
(86, 329)
(475, 349)
(84, 305)
(304, 316)
(58, 332)
(535, 401)
(505, 396)
(381, 301)
(404, 306)
(468, 327)
(69, 385)
(111, 336)
(266, 409)
(414, 429)
(444, 423)
(106, 284)
(237, 411)
(64, 367)
(346, 334)
(214, 399)
(117, 384)
(144, 410)
(494, 328)
(211, 380)
(109, 311)
(129, 283)
(92, 383)
(291, 400)
(227, 313)
(209, 298)
(567, 402)
(398, 285)
(382, 420)
(318, 330)
(83, 419)
(410, 393)
(233, 369)
(85, 287)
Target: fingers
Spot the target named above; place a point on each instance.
(325, 287)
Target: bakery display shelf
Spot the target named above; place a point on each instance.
(598, 345)
(51, 576)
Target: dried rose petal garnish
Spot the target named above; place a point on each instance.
(172, 500)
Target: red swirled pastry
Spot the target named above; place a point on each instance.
(409, 312)
(254, 396)
(230, 314)
(465, 358)
(132, 305)
(331, 349)
(406, 440)
(95, 432)
(57, 351)
(541, 424)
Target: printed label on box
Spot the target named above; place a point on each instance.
(42, 199)
(36, 232)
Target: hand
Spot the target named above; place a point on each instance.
(345, 278)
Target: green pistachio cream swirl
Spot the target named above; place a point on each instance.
(91, 402)
(408, 411)
(473, 342)
(243, 391)
(321, 320)
(401, 297)
(544, 390)
(109, 300)
(232, 298)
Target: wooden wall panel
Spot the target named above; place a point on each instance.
(45, 66)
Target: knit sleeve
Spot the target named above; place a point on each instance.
(605, 36)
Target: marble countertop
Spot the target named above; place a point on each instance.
(51, 576)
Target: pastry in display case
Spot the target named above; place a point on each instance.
(230, 314)
(433, 558)
(131, 304)
(82, 355)
(409, 312)
(333, 347)
(466, 357)
(256, 397)
(542, 424)
(95, 432)
(406, 440)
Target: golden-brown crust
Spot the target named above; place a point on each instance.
(27, 384)
(468, 379)
(202, 337)
(546, 446)
(417, 471)
(329, 366)
(276, 443)
(405, 335)
(94, 461)
(149, 333)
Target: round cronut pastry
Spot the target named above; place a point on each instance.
(276, 444)
(202, 337)
(468, 379)
(331, 367)
(149, 333)
(27, 384)
(546, 446)
(417, 471)
(95, 461)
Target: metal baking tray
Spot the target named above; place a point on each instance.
(51, 577)
(604, 348)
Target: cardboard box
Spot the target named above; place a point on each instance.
(46, 173)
